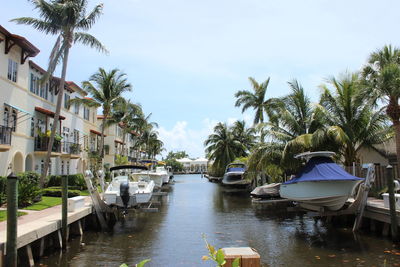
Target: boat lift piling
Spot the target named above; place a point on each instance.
(98, 203)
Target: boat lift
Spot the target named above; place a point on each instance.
(355, 207)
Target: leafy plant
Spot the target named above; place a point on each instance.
(140, 264)
(121, 160)
(217, 256)
(28, 188)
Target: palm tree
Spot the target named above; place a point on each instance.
(128, 115)
(382, 79)
(63, 18)
(223, 147)
(106, 91)
(255, 100)
(349, 118)
(246, 136)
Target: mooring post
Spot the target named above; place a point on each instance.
(392, 202)
(12, 208)
(64, 211)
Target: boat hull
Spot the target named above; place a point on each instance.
(315, 195)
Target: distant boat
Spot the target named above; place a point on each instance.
(129, 187)
(320, 184)
(234, 176)
(266, 191)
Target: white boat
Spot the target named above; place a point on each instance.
(156, 177)
(129, 187)
(321, 184)
(164, 174)
(170, 172)
(234, 176)
(266, 191)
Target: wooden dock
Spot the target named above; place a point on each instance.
(41, 229)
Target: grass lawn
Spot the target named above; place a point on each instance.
(46, 202)
(3, 214)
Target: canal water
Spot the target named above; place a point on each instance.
(194, 206)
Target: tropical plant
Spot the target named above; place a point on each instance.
(348, 118)
(223, 147)
(121, 160)
(381, 76)
(63, 18)
(246, 136)
(256, 100)
(105, 89)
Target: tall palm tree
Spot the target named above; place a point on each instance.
(223, 147)
(105, 89)
(246, 136)
(382, 79)
(63, 18)
(255, 100)
(128, 115)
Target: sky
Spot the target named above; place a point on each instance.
(186, 59)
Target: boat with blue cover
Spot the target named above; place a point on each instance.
(234, 176)
(321, 183)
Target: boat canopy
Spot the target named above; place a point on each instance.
(236, 167)
(137, 167)
(322, 169)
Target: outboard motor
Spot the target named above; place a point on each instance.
(124, 193)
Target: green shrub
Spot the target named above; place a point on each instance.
(74, 180)
(28, 188)
(3, 188)
(56, 192)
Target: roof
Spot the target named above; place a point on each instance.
(68, 85)
(96, 132)
(76, 87)
(27, 47)
(119, 142)
(184, 160)
(48, 112)
(140, 167)
(201, 160)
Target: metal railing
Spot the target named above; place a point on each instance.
(71, 148)
(41, 144)
(5, 135)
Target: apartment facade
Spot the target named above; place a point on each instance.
(27, 114)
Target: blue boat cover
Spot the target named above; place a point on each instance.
(237, 169)
(322, 169)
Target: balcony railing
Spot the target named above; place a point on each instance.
(5, 135)
(41, 144)
(71, 148)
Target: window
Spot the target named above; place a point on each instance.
(76, 137)
(5, 117)
(67, 97)
(12, 70)
(32, 127)
(67, 167)
(62, 167)
(86, 113)
(14, 120)
(76, 107)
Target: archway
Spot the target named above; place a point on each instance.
(18, 163)
(29, 163)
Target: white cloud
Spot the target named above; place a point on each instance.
(181, 137)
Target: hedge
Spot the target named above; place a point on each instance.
(28, 188)
(56, 192)
(76, 181)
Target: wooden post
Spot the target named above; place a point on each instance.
(12, 207)
(64, 211)
(392, 202)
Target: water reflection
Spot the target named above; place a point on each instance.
(172, 237)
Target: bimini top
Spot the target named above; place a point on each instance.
(137, 167)
(322, 169)
(236, 167)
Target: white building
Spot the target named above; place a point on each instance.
(194, 166)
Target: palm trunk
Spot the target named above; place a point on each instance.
(56, 116)
(396, 125)
(103, 127)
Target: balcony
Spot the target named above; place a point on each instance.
(71, 150)
(41, 145)
(5, 138)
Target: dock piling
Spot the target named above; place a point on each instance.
(392, 202)
(12, 207)
(64, 211)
